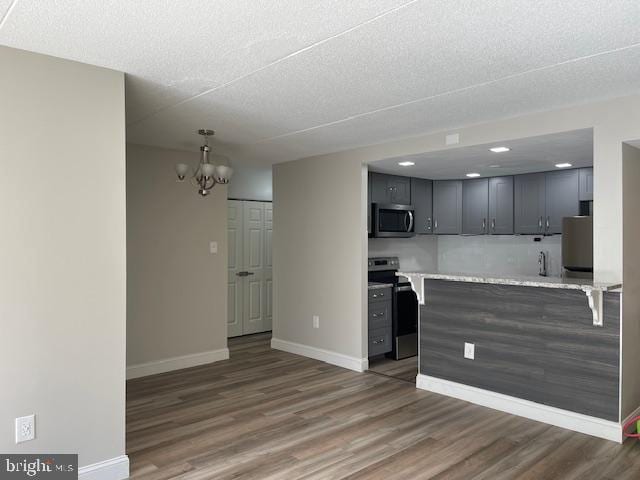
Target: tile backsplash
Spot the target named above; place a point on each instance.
(418, 254)
(481, 254)
(498, 254)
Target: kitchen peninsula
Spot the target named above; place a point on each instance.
(543, 348)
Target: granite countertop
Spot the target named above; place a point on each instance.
(377, 285)
(525, 281)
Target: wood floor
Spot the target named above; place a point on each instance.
(265, 414)
(405, 369)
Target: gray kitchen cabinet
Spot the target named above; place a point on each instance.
(529, 203)
(399, 189)
(500, 206)
(447, 207)
(378, 188)
(380, 320)
(475, 206)
(586, 184)
(562, 198)
(422, 198)
(389, 188)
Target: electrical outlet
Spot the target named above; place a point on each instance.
(316, 321)
(452, 139)
(25, 428)
(469, 350)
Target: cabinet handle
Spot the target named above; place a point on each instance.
(540, 223)
(375, 342)
(376, 315)
(547, 223)
(435, 225)
(376, 295)
(484, 224)
(493, 225)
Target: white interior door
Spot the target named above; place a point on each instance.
(235, 302)
(254, 266)
(268, 265)
(250, 227)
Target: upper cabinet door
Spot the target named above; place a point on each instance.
(390, 188)
(501, 206)
(378, 187)
(475, 206)
(586, 184)
(447, 207)
(529, 203)
(399, 189)
(422, 197)
(562, 198)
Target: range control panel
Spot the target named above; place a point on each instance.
(383, 263)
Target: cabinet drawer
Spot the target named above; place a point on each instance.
(379, 294)
(379, 315)
(379, 341)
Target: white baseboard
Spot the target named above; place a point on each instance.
(113, 469)
(176, 363)
(334, 358)
(577, 422)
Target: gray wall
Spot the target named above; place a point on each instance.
(62, 255)
(177, 289)
(251, 183)
(631, 281)
(319, 254)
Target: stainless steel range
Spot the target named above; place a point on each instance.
(404, 309)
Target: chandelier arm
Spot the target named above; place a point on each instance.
(211, 185)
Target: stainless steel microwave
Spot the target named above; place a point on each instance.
(391, 220)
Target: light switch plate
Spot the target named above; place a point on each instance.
(25, 428)
(469, 351)
(316, 321)
(213, 247)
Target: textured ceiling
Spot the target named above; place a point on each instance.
(532, 154)
(282, 80)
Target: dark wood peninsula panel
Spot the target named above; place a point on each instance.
(537, 344)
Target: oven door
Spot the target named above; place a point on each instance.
(392, 220)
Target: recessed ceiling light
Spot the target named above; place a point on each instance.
(472, 175)
(563, 165)
(499, 149)
(495, 166)
(406, 164)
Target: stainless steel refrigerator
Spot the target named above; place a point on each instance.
(577, 246)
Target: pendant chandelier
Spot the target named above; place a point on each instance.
(206, 174)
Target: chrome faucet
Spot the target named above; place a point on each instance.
(542, 264)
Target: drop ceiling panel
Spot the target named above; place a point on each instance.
(600, 77)
(282, 80)
(418, 52)
(4, 8)
(173, 126)
(198, 44)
